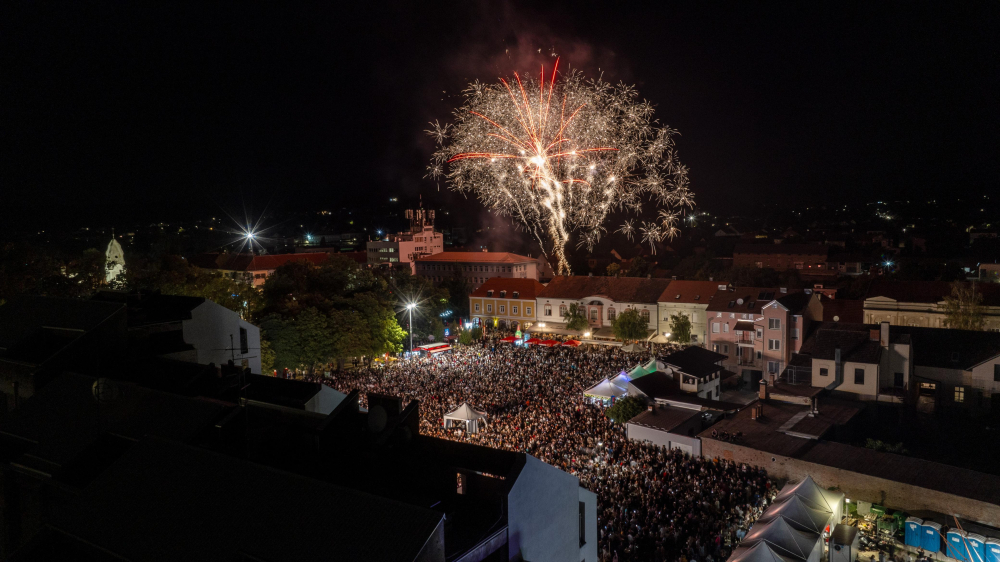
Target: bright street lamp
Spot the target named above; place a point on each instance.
(410, 308)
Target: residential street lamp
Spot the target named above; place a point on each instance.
(410, 308)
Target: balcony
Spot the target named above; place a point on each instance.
(745, 340)
(748, 362)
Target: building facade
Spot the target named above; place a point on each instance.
(477, 267)
(922, 303)
(758, 329)
(505, 302)
(407, 247)
(808, 259)
(252, 269)
(687, 298)
(601, 299)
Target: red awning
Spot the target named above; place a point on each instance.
(550, 343)
(509, 339)
(571, 343)
(533, 341)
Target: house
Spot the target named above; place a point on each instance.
(687, 298)
(698, 371)
(922, 303)
(477, 267)
(252, 268)
(601, 299)
(758, 328)
(406, 247)
(808, 259)
(504, 301)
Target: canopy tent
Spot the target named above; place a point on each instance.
(571, 343)
(799, 514)
(641, 370)
(509, 339)
(604, 390)
(622, 380)
(786, 540)
(550, 343)
(533, 341)
(809, 491)
(631, 347)
(760, 552)
(466, 415)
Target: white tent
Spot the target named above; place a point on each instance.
(814, 496)
(799, 514)
(631, 347)
(760, 552)
(466, 415)
(604, 390)
(621, 381)
(786, 540)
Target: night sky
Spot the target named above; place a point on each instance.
(146, 111)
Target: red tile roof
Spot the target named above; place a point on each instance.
(618, 289)
(753, 299)
(844, 310)
(526, 289)
(476, 257)
(691, 292)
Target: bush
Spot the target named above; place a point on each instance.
(625, 409)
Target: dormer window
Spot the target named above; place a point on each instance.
(503, 294)
(515, 295)
(697, 297)
(678, 296)
(732, 304)
(489, 293)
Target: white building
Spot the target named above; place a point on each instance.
(687, 298)
(601, 299)
(477, 267)
(407, 247)
(114, 261)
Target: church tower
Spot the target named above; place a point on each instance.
(114, 260)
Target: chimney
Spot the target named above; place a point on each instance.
(753, 412)
(884, 334)
(763, 389)
(873, 335)
(651, 408)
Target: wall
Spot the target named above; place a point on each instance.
(855, 485)
(523, 306)
(325, 400)
(667, 439)
(543, 514)
(588, 552)
(209, 329)
(696, 312)
(925, 315)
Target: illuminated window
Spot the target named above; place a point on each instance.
(489, 308)
(513, 310)
(959, 394)
(527, 310)
(645, 316)
(611, 313)
(502, 309)
(548, 310)
(476, 307)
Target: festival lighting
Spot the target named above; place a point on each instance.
(559, 155)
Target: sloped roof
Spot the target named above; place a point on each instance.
(526, 289)
(664, 418)
(936, 347)
(618, 289)
(855, 345)
(656, 385)
(803, 516)
(248, 262)
(782, 249)
(476, 257)
(783, 538)
(845, 310)
(695, 360)
(760, 552)
(927, 291)
(604, 389)
(465, 412)
(689, 292)
(754, 298)
(795, 302)
(809, 491)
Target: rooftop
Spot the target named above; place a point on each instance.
(843, 310)
(927, 291)
(526, 289)
(782, 249)
(476, 257)
(618, 289)
(25, 315)
(152, 308)
(854, 345)
(745, 299)
(664, 418)
(695, 360)
(689, 292)
(250, 262)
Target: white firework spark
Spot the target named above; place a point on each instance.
(628, 229)
(651, 234)
(559, 155)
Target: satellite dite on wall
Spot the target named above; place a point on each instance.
(114, 261)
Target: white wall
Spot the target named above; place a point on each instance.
(690, 445)
(588, 552)
(543, 514)
(325, 400)
(209, 329)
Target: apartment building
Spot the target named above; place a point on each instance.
(406, 247)
(687, 298)
(758, 328)
(477, 267)
(251, 268)
(601, 299)
(922, 303)
(503, 301)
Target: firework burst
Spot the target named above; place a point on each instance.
(558, 154)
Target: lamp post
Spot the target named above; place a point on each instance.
(410, 308)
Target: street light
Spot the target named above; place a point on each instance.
(410, 308)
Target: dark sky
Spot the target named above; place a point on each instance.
(149, 111)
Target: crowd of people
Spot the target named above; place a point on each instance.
(653, 503)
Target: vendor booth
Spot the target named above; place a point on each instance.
(604, 391)
(760, 552)
(532, 341)
(810, 492)
(465, 417)
(786, 540)
(621, 381)
(800, 515)
(508, 339)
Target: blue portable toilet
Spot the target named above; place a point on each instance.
(955, 547)
(913, 530)
(930, 536)
(992, 550)
(976, 545)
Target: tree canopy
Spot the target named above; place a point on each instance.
(630, 325)
(680, 328)
(964, 308)
(575, 318)
(625, 409)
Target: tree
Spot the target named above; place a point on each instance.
(680, 328)
(964, 309)
(613, 269)
(630, 326)
(173, 275)
(432, 303)
(470, 336)
(625, 409)
(458, 295)
(299, 342)
(638, 267)
(575, 318)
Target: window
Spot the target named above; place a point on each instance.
(759, 354)
(898, 380)
(562, 310)
(611, 313)
(795, 333)
(772, 367)
(503, 294)
(959, 394)
(460, 481)
(773, 345)
(477, 307)
(760, 333)
(718, 315)
(725, 348)
(515, 295)
(715, 327)
(773, 323)
(489, 293)
(645, 316)
(489, 308)
(715, 348)
(548, 310)
(583, 523)
(824, 372)
(527, 310)
(593, 315)
(502, 308)
(996, 373)
(244, 344)
(859, 376)
(725, 327)
(513, 309)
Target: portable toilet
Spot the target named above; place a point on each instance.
(976, 547)
(992, 550)
(955, 547)
(930, 536)
(913, 531)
